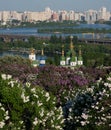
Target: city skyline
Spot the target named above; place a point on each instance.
(40, 5)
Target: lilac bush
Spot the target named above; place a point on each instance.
(84, 95)
(55, 79)
(23, 107)
(90, 108)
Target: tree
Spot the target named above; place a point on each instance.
(32, 40)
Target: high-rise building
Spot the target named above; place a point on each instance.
(71, 15)
(55, 16)
(0, 16)
(103, 14)
(63, 15)
(5, 16)
(91, 16)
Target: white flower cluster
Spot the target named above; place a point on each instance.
(45, 106)
(47, 112)
(99, 113)
(11, 82)
(34, 100)
(5, 77)
(4, 114)
(24, 97)
(108, 83)
(68, 95)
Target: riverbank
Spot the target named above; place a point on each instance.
(63, 30)
(74, 30)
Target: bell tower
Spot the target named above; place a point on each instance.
(80, 59)
(73, 61)
(32, 57)
(62, 61)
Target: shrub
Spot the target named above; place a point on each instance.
(26, 107)
(90, 109)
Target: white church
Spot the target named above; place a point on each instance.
(71, 60)
(41, 61)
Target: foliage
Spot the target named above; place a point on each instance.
(7, 60)
(26, 107)
(55, 79)
(48, 24)
(93, 54)
(90, 109)
(73, 30)
(49, 77)
(96, 54)
(83, 95)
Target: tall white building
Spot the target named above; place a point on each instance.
(77, 16)
(91, 16)
(10, 15)
(27, 16)
(0, 16)
(63, 15)
(55, 16)
(103, 14)
(37, 16)
(71, 15)
(5, 16)
(15, 15)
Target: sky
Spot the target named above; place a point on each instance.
(40, 5)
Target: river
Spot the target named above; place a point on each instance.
(34, 31)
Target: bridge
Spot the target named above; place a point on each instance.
(91, 40)
(12, 38)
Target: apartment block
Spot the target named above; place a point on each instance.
(28, 16)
